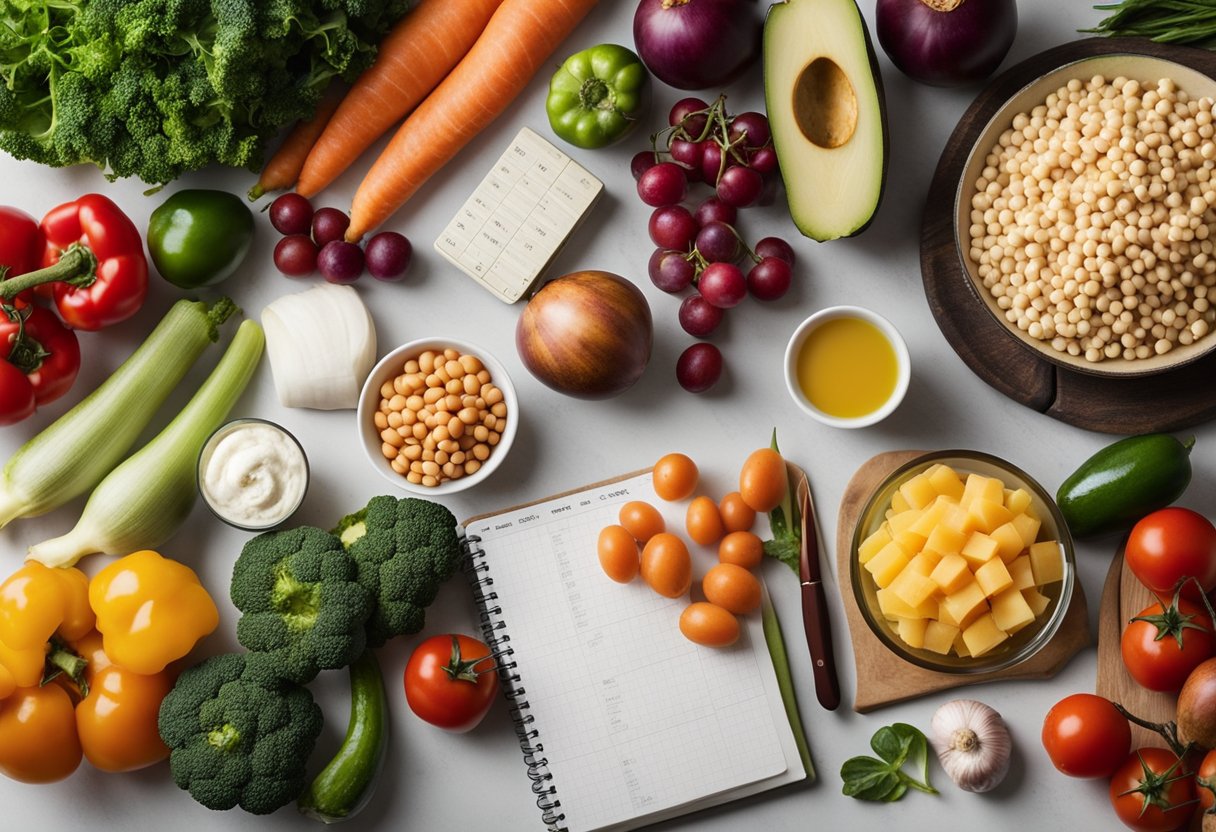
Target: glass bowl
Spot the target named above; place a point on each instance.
(1025, 642)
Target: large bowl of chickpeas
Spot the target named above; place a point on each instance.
(1086, 218)
(437, 416)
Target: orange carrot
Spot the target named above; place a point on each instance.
(516, 43)
(284, 166)
(412, 59)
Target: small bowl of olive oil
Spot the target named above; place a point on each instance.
(847, 367)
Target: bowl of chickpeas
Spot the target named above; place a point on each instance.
(437, 416)
(1086, 219)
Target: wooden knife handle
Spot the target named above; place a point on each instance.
(819, 640)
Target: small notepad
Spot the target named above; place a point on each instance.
(508, 232)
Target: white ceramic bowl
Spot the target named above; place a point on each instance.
(903, 368)
(388, 368)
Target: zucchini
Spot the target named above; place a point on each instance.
(346, 784)
(1125, 481)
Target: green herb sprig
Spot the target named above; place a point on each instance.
(884, 779)
(1164, 21)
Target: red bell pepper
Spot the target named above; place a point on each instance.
(41, 358)
(20, 242)
(94, 260)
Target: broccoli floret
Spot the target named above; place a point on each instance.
(300, 601)
(404, 550)
(235, 739)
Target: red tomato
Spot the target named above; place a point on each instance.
(1170, 545)
(450, 681)
(1152, 791)
(1085, 736)
(1205, 783)
(1162, 645)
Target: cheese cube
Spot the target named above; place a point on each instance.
(912, 631)
(945, 481)
(930, 516)
(1017, 501)
(888, 563)
(1021, 572)
(982, 488)
(988, 514)
(892, 607)
(1008, 542)
(1037, 601)
(1010, 611)
(872, 544)
(962, 602)
(945, 540)
(960, 647)
(982, 635)
(909, 541)
(924, 562)
(979, 549)
(952, 573)
(898, 503)
(918, 492)
(993, 577)
(958, 520)
(939, 637)
(1027, 526)
(900, 522)
(912, 588)
(1047, 563)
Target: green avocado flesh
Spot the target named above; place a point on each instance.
(825, 107)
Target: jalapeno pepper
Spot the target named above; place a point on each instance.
(597, 96)
(199, 237)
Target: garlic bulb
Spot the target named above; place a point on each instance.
(972, 743)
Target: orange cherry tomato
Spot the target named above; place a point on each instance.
(38, 742)
(709, 625)
(642, 520)
(763, 481)
(675, 477)
(731, 587)
(742, 549)
(737, 516)
(667, 566)
(618, 553)
(703, 521)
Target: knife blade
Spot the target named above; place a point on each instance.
(814, 605)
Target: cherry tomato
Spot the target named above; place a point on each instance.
(666, 565)
(642, 520)
(731, 587)
(618, 553)
(1085, 736)
(703, 521)
(1170, 545)
(742, 549)
(675, 477)
(709, 624)
(1152, 791)
(737, 516)
(1162, 645)
(450, 681)
(1205, 782)
(763, 481)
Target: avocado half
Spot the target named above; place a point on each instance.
(825, 106)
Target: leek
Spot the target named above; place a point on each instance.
(146, 499)
(82, 446)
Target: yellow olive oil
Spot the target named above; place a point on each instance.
(847, 368)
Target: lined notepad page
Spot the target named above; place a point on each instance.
(634, 718)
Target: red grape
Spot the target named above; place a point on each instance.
(699, 367)
(722, 284)
(641, 162)
(340, 262)
(739, 186)
(295, 255)
(715, 210)
(764, 159)
(388, 255)
(681, 112)
(718, 243)
(769, 279)
(291, 214)
(329, 224)
(663, 184)
(711, 161)
(673, 227)
(775, 247)
(754, 125)
(670, 271)
(685, 152)
(699, 317)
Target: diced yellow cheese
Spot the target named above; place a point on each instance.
(912, 631)
(900, 522)
(1017, 501)
(1046, 562)
(933, 469)
(1010, 611)
(951, 573)
(939, 637)
(1021, 572)
(958, 520)
(1027, 526)
(872, 544)
(982, 635)
(982, 488)
(1037, 601)
(912, 588)
(945, 540)
(962, 602)
(898, 503)
(1008, 542)
(918, 492)
(930, 516)
(993, 577)
(960, 646)
(979, 549)
(892, 607)
(888, 563)
(945, 481)
(909, 541)
(988, 514)
(924, 562)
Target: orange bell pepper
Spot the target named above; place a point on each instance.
(38, 742)
(36, 604)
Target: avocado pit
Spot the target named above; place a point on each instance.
(825, 104)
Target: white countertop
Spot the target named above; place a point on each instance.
(434, 780)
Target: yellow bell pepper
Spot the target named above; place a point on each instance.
(36, 603)
(150, 611)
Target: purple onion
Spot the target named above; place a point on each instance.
(946, 43)
(696, 44)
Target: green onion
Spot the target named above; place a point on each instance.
(82, 446)
(146, 499)
(1164, 21)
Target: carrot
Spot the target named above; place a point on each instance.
(516, 43)
(412, 59)
(284, 166)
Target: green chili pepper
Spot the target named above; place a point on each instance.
(596, 97)
(199, 237)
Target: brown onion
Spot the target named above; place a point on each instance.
(1197, 706)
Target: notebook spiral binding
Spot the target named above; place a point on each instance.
(493, 631)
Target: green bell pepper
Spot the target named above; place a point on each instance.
(597, 95)
(199, 237)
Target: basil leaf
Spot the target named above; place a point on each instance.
(918, 755)
(866, 778)
(892, 744)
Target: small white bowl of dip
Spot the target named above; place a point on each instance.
(252, 474)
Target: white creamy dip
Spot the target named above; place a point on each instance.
(253, 474)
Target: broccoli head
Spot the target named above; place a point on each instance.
(301, 602)
(236, 739)
(404, 549)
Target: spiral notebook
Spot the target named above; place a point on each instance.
(623, 722)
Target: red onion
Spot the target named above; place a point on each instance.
(946, 43)
(696, 44)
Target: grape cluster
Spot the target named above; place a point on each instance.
(702, 247)
(313, 241)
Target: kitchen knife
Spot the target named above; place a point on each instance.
(814, 606)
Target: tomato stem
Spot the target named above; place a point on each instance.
(464, 669)
(1167, 730)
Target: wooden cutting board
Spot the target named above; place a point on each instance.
(883, 678)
